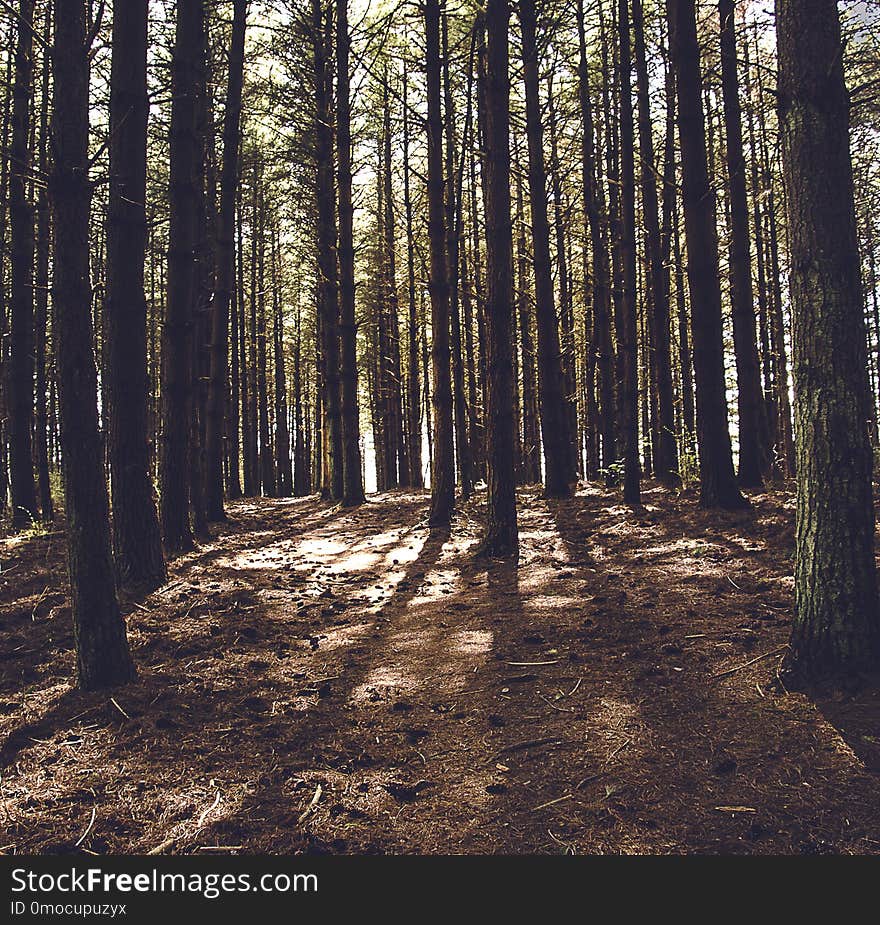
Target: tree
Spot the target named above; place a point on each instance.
(627, 344)
(501, 537)
(218, 390)
(137, 538)
(718, 486)
(352, 477)
(443, 468)
(102, 654)
(753, 433)
(558, 476)
(182, 291)
(836, 628)
(665, 457)
(20, 376)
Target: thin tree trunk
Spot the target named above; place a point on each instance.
(558, 474)
(20, 375)
(352, 474)
(753, 434)
(218, 388)
(414, 417)
(665, 457)
(443, 468)
(627, 342)
(41, 285)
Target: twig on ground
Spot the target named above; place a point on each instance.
(758, 658)
(311, 806)
(210, 809)
(115, 704)
(82, 837)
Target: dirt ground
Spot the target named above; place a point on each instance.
(316, 680)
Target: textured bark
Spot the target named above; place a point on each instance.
(836, 628)
(753, 434)
(20, 373)
(718, 486)
(443, 468)
(598, 333)
(413, 408)
(558, 473)
(566, 306)
(137, 538)
(218, 388)
(665, 455)
(267, 460)
(102, 654)
(531, 432)
(283, 471)
(453, 242)
(627, 343)
(182, 291)
(328, 276)
(352, 475)
(398, 463)
(501, 538)
(41, 300)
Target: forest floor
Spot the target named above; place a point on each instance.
(319, 680)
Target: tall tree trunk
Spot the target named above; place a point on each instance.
(398, 465)
(566, 308)
(558, 474)
(328, 279)
(137, 537)
(531, 455)
(836, 629)
(718, 486)
(443, 468)
(352, 474)
(182, 290)
(753, 434)
(267, 462)
(20, 376)
(414, 416)
(627, 342)
(453, 243)
(41, 284)
(218, 388)
(665, 457)
(284, 475)
(102, 654)
(501, 537)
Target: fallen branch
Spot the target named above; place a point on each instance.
(758, 658)
(82, 837)
(311, 806)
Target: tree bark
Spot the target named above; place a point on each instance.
(836, 629)
(558, 474)
(718, 486)
(182, 291)
(627, 342)
(501, 538)
(20, 375)
(102, 653)
(137, 537)
(218, 387)
(443, 469)
(352, 475)
(753, 434)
